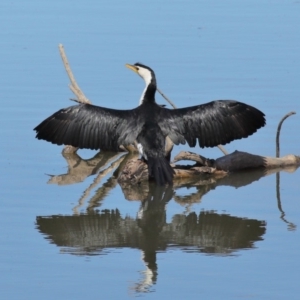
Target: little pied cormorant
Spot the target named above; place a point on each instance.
(94, 127)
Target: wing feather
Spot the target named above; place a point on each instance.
(89, 126)
(214, 123)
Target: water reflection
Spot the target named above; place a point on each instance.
(208, 232)
(291, 226)
(99, 232)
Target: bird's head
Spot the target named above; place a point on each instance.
(145, 72)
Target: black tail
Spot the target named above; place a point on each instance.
(151, 141)
(160, 169)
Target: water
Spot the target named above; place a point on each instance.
(237, 239)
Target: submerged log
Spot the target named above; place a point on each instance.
(237, 161)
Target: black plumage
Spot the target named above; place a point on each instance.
(95, 127)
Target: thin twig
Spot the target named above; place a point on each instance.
(278, 132)
(223, 149)
(169, 143)
(166, 98)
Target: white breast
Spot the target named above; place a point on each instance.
(141, 150)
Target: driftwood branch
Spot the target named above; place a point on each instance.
(74, 87)
(186, 155)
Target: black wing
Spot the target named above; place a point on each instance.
(91, 127)
(213, 123)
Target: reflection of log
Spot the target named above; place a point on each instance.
(136, 170)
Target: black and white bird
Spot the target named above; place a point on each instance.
(94, 127)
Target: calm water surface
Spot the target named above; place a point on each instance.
(69, 231)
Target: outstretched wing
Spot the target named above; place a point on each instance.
(91, 127)
(213, 123)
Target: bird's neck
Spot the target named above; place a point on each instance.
(148, 94)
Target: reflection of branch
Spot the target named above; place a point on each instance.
(101, 193)
(278, 132)
(96, 182)
(79, 169)
(291, 226)
(194, 197)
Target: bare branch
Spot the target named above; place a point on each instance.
(186, 155)
(222, 149)
(278, 132)
(73, 86)
(166, 98)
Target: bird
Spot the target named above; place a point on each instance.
(94, 127)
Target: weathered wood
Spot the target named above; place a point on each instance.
(136, 170)
(74, 87)
(187, 155)
(237, 161)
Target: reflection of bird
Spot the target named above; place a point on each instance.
(94, 127)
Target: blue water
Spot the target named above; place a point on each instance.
(200, 51)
